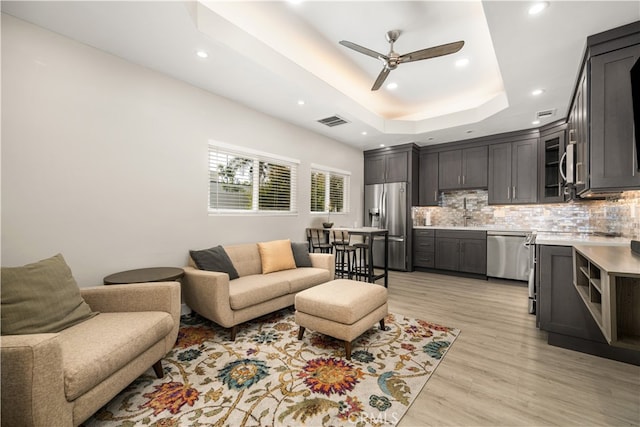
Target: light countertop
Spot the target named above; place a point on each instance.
(473, 228)
(571, 239)
(617, 260)
(545, 237)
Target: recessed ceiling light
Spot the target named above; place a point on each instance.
(538, 7)
(462, 62)
(537, 92)
(392, 86)
(301, 102)
(535, 122)
(202, 54)
(381, 145)
(363, 132)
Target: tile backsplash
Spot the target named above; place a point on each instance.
(620, 215)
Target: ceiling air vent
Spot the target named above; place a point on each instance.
(545, 114)
(333, 121)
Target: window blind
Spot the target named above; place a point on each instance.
(248, 181)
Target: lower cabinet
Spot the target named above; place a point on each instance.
(423, 248)
(560, 307)
(461, 251)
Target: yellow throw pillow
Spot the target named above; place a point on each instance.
(276, 255)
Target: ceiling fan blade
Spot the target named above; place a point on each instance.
(431, 52)
(358, 48)
(381, 78)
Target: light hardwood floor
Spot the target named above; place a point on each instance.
(500, 370)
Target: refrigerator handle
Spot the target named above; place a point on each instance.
(383, 210)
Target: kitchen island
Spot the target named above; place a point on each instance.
(562, 308)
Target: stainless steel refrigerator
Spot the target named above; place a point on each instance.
(385, 206)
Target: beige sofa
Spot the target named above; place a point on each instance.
(60, 379)
(232, 302)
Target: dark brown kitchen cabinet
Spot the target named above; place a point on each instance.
(462, 169)
(428, 179)
(551, 152)
(381, 168)
(600, 121)
(578, 126)
(386, 168)
(423, 248)
(560, 307)
(613, 158)
(513, 172)
(461, 251)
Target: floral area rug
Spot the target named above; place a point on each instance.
(267, 377)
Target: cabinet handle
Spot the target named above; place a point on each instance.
(463, 176)
(559, 189)
(508, 193)
(435, 195)
(458, 179)
(514, 192)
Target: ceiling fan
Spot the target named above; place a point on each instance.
(392, 59)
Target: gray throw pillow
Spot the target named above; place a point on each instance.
(214, 259)
(301, 254)
(42, 297)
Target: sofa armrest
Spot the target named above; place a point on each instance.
(33, 381)
(207, 293)
(156, 296)
(325, 261)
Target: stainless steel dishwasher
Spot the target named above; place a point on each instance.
(508, 255)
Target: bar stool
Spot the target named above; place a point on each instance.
(361, 270)
(317, 241)
(345, 254)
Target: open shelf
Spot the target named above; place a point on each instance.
(612, 297)
(588, 283)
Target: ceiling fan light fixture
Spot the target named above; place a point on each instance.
(537, 92)
(202, 54)
(538, 7)
(392, 86)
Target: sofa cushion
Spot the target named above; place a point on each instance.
(276, 255)
(254, 289)
(303, 278)
(214, 259)
(301, 254)
(95, 349)
(245, 258)
(41, 297)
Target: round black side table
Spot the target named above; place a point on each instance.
(142, 275)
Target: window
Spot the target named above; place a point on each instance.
(248, 181)
(329, 189)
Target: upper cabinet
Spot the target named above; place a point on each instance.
(600, 119)
(462, 169)
(381, 168)
(513, 172)
(613, 159)
(551, 158)
(399, 163)
(428, 186)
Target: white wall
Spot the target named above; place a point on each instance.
(106, 161)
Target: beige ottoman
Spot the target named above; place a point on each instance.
(342, 309)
